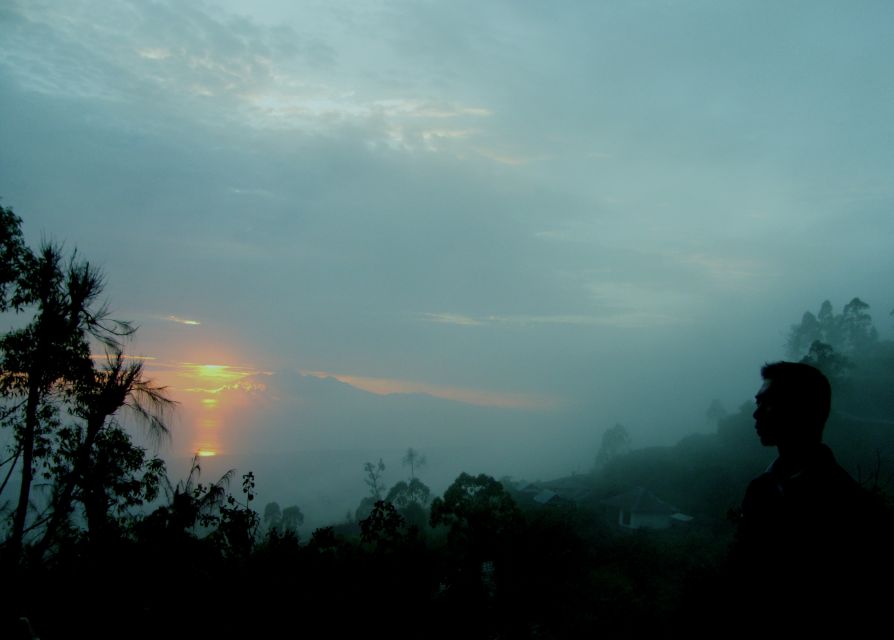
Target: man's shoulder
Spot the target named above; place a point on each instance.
(824, 469)
(762, 492)
(761, 483)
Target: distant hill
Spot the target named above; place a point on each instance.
(306, 439)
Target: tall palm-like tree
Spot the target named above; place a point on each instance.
(98, 453)
(49, 358)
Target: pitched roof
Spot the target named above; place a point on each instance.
(546, 496)
(639, 500)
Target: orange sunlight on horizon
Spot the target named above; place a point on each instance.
(206, 408)
(482, 398)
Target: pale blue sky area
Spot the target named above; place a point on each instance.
(609, 209)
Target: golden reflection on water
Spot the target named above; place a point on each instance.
(209, 394)
(217, 386)
(208, 423)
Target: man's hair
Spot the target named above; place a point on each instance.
(804, 388)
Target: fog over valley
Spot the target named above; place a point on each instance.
(549, 243)
(517, 202)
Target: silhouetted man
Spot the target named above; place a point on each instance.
(805, 541)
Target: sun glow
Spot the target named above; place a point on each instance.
(210, 393)
(219, 373)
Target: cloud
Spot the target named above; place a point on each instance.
(504, 158)
(191, 377)
(629, 319)
(214, 66)
(180, 320)
(478, 397)
(633, 319)
(260, 193)
(154, 53)
(728, 270)
(451, 318)
(215, 378)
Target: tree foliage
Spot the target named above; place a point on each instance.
(384, 526)
(615, 442)
(848, 332)
(282, 521)
(59, 403)
(826, 359)
(374, 480)
(13, 253)
(411, 500)
(272, 516)
(414, 460)
(404, 493)
(478, 511)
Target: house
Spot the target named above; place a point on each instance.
(547, 497)
(573, 488)
(640, 508)
(527, 488)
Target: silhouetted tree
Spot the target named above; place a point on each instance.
(190, 502)
(282, 521)
(414, 460)
(45, 362)
(376, 486)
(292, 518)
(411, 499)
(615, 442)
(802, 335)
(97, 462)
(849, 332)
(383, 526)
(403, 493)
(237, 523)
(13, 254)
(859, 332)
(823, 357)
(373, 478)
(272, 516)
(478, 511)
(231, 524)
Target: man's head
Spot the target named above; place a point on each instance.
(792, 405)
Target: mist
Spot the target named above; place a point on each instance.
(487, 233)
(603, 219)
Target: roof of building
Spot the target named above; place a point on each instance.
(639, 500)
(546, 496)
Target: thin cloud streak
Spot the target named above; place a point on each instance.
(390, 386)
(451, 318)
(632, 319)
(179, 320)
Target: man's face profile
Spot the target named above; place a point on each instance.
(768, 415)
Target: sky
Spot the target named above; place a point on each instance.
(574, 212)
